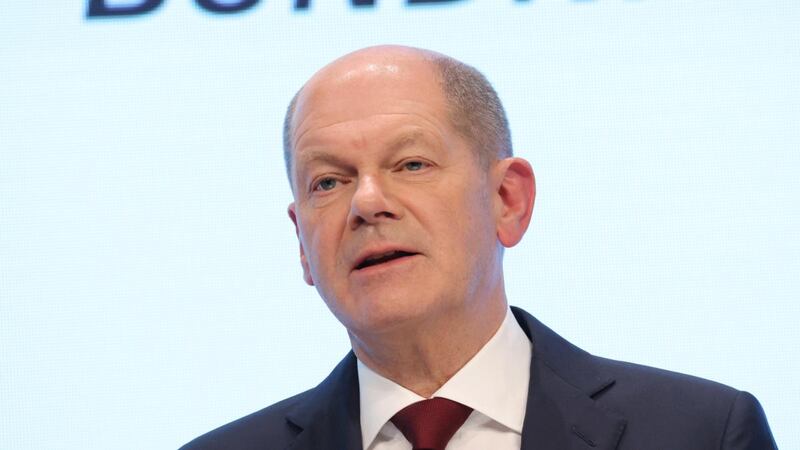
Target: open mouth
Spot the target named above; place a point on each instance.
(383, 258)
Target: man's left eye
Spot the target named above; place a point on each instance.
(414, 165)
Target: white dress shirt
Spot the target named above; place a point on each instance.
(494, 383)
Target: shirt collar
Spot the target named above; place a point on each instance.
(504, 361)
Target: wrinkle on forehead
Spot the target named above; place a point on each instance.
(322, 128)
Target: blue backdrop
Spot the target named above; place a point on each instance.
(150, 286)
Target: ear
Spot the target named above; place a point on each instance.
(303, 260)
(516, 192)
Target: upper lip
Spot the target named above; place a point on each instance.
(376, 251)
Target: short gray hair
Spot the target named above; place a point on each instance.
(474, 108)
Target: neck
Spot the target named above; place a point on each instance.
(423, 356)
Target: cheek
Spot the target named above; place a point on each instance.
(321, 235)
(317, 251)
(459, 227)
(473, 225)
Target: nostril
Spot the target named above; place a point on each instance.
(356, 221)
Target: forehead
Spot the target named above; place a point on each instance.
(357, 94)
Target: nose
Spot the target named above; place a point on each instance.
(372, 203)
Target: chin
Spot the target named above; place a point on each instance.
(390, 314)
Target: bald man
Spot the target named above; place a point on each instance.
(406, 193)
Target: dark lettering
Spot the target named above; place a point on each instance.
(428, 2)
(99, 8)
(226, 7)
(304, 4)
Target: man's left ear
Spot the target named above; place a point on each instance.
(515, 194)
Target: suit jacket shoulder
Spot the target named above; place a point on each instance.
(326, 416)
(254, 430)
(576, 401)
(689, 412)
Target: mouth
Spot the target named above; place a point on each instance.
(383, 258)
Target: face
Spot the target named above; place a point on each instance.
(393, 211)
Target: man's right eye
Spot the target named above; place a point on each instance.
(325, 184)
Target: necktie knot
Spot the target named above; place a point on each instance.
(429, 424)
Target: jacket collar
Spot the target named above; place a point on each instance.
(561, 411)
(329, 416)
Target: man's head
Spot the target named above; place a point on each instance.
(473, 107)
(403, 201)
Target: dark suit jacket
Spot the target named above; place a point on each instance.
(576, 401)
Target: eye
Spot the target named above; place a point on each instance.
(414, 166)
(326, 184)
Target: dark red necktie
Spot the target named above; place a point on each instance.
(430, 424)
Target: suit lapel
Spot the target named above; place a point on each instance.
(330, 417)
(561, 413)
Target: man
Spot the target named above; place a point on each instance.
(406, 194)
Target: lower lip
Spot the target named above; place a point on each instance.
(382, 267)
